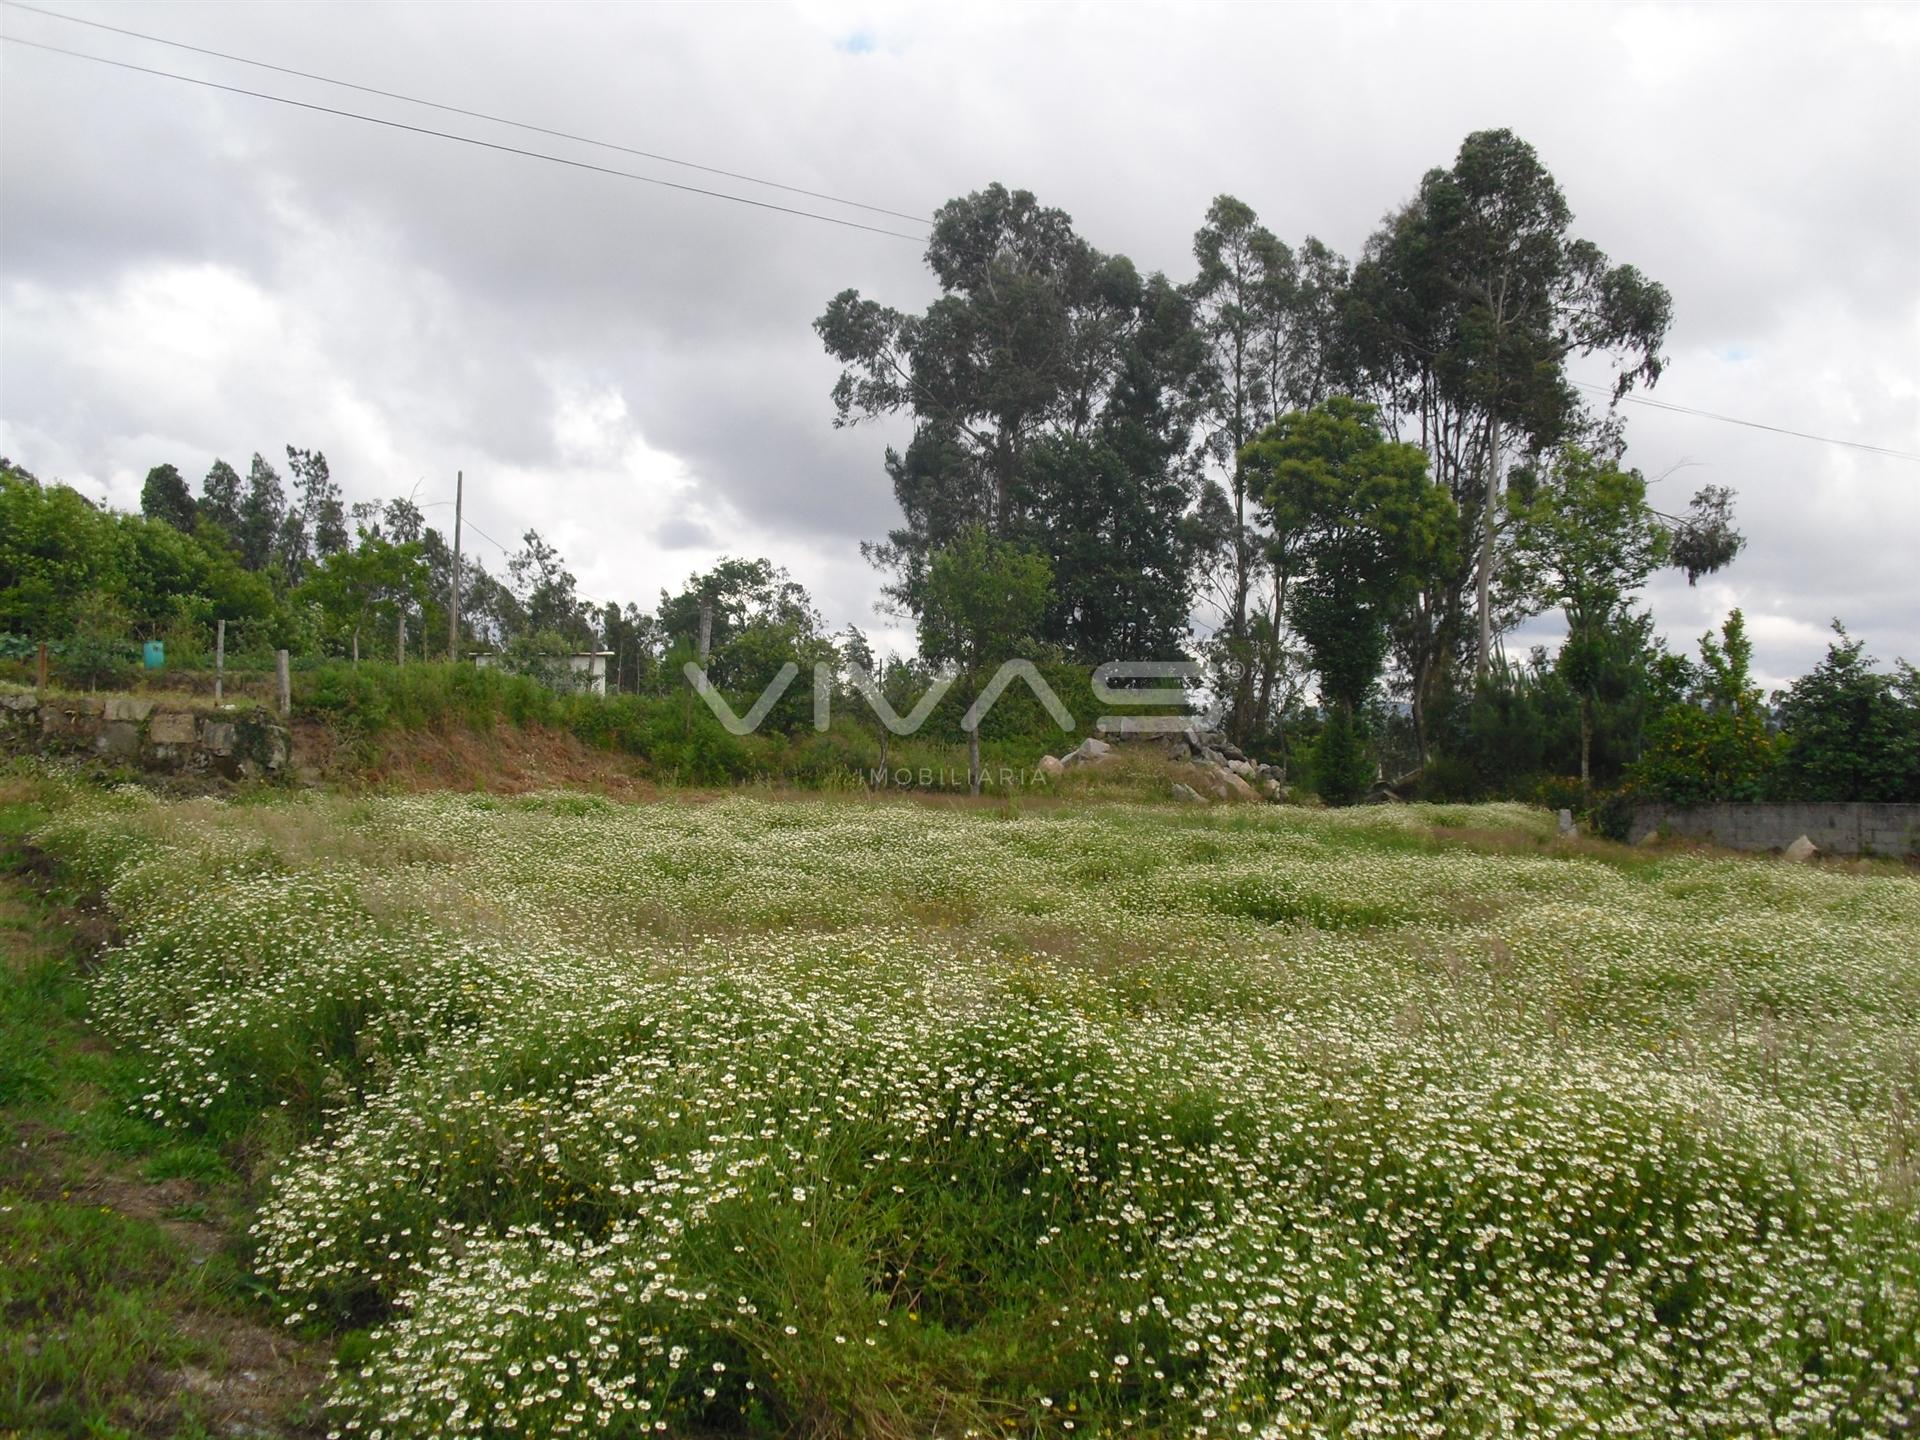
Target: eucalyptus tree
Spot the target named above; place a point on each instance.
(1272, 320)
(1037, 340)
(1466, 307)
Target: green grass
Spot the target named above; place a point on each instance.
(127, 1305)
(834, 1117)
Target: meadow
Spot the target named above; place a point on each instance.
(763, 1116)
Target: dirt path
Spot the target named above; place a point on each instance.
(126, 1307)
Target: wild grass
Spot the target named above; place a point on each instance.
(843, 1117)
(127, 1308)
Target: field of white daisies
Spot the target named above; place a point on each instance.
(764, 1117)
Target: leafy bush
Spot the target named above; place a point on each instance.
(1715, 744)
(1851, 733)
(1342, 767)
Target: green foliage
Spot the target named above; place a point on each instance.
(1036, 336)
(1342, 768)
(1368, 525)
(165, 496)
(1851, 733)
(984, 600)
(1585, 541)
(1715, 744)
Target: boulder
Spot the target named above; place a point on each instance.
(1232, 751)
(1242, 769)
(1051, 767)
(1222, 784)
(1187, 795)
(1088, 752)
(1801, 849)
(1275, 792)
(1564, 819)
(129, 708)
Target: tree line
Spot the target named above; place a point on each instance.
(1360, 476)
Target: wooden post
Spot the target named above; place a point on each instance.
(286, 683)
(400, 641)
(453, 609)
(219, 660)
(41, 665)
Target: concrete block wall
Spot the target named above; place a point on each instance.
(162, 736)
(1838, 829)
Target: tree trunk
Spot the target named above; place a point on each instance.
(1586, 747)
(1483, 584)
(973, 761)
(356, 644)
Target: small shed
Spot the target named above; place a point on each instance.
(588, 667)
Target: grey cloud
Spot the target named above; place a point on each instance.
(414, 306)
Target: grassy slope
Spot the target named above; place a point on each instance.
(127, 1310)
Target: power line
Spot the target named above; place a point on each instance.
(466, 140)
(458, 110)
(672, 184)
(1751, 424)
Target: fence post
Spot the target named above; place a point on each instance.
(42, 665)
(219, 660)
(286, 683)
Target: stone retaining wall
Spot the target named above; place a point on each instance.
(1838, 829)
(236, 743)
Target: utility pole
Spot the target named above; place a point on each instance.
(453, 609)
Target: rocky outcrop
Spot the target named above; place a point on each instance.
(1210, 768)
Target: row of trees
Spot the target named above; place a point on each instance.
(1360, 475)
(1131, 431)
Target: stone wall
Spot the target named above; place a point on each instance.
(1838, 829)
(169, 737)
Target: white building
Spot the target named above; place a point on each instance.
(588, 667)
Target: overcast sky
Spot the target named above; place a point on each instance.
(186, 273)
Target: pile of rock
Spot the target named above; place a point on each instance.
(1213, 767)
(1221, 771)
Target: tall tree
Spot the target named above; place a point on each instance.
(1240, 297)
(984, 600)
(317, 497)
(262, 509)
(1370, 527)
(546, 591)
(1034, 334)
(220, 499)
(1585, 541)
(1466, 307)
(165, 496)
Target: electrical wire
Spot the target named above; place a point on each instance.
(464, 139)
(459, 110)
(1651, 403)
